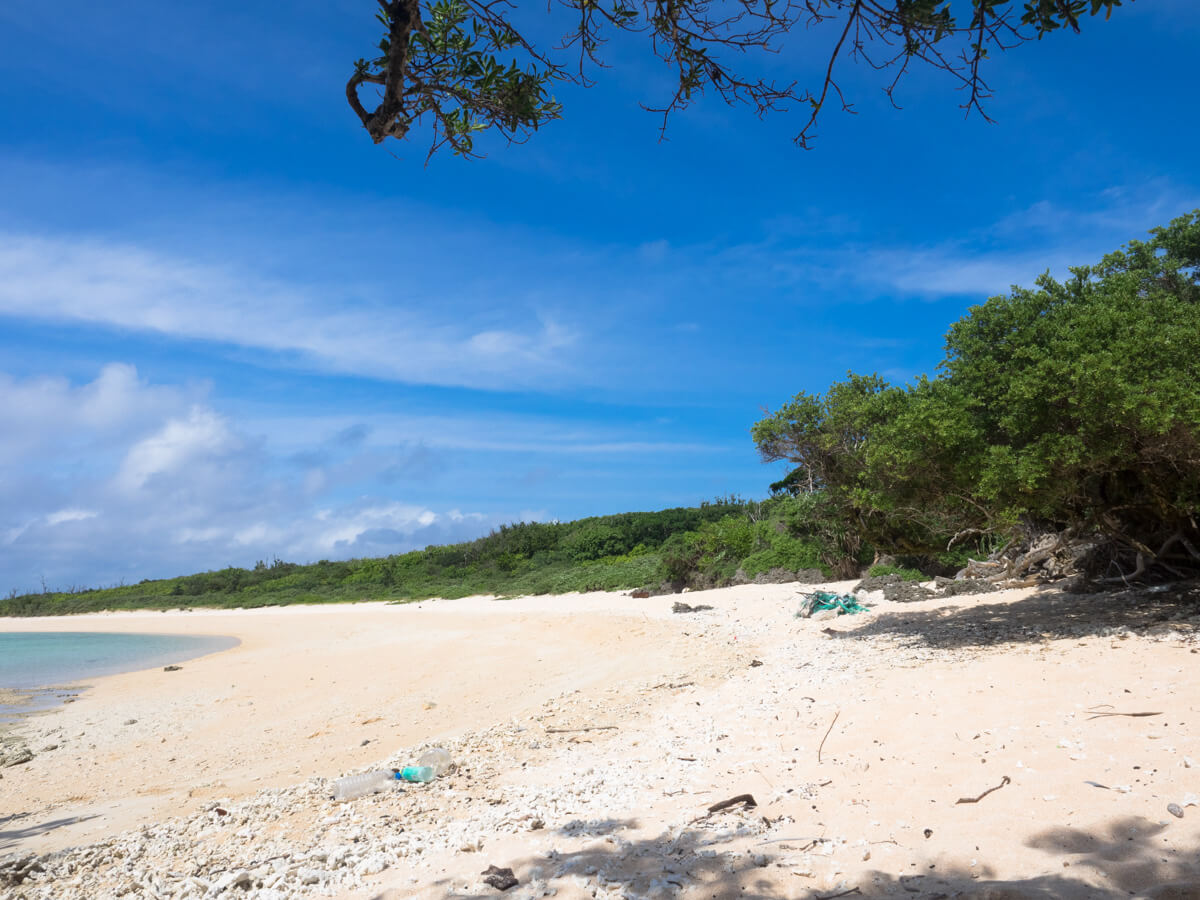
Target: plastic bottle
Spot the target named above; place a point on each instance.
(354, 786)
(438, 759)
(416, 773)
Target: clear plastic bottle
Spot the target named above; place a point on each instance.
(354, 786)
(438, 759)
(416, 773)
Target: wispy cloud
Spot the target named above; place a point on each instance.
(124, 287)
(1014, 249)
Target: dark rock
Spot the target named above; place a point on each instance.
(639, 595)
(172, 668)
(810, 576)
(500, 879)
(906, 592)
(685, 608)
(876, 583)
(950, 587)
(894, 588)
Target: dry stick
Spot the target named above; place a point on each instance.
(827, 730)
(665, 684)
(1136, 715)
(853, 890)
(748, 799)
(589, 728)
(1003, 781)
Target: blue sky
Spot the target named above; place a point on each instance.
(231, 328)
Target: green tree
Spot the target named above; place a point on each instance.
(464, 66)
(1075, 405)
(1085, 394)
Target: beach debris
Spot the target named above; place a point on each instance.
(500, 879)
(416, 774)
(686, 608)
(746, 799)
(1099, 712)
(755, 663)
(131, 721)
(172, 668)
(354, 786)
(438, 759)
(1175, 809)
(825, 601)
(821, 746)
(1003, 781)
(639, 595)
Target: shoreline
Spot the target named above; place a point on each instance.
(589, 767)
(18, 702)
(309, 691)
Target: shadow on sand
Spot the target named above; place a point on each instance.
(1048, 614)
(1127, 857)
(11, 837)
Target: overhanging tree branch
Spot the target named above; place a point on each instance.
(440, 57)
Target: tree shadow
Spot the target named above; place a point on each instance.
(1049, 614)
(11, 837)
(1126, 857)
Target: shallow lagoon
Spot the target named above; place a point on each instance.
(33, 661)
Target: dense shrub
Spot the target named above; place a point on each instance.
(784, 552)
(595, 541)
(1073, 405)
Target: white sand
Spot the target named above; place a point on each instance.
(933, 701)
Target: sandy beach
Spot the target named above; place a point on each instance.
(971, 746)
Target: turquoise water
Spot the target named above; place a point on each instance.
(42, 658)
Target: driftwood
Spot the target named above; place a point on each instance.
(1097, 553)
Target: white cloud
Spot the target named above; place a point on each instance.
(202, 435)
(41, 414)
(70, 515)
(118, 478)
(130, 288)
